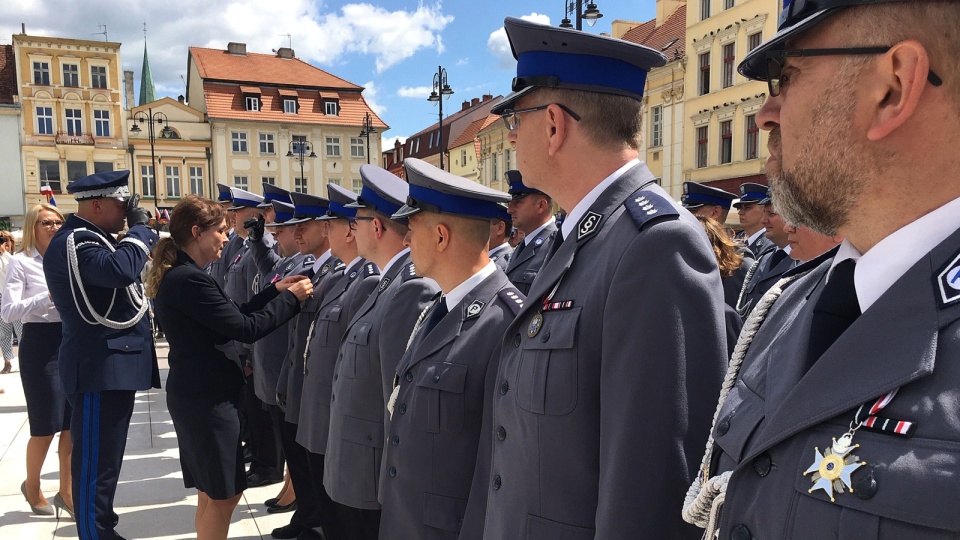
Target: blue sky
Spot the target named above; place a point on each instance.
(391, 47)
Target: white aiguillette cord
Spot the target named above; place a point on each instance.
(134, 290)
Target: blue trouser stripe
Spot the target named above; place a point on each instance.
(86, 515)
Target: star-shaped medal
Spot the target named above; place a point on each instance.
(832, 469)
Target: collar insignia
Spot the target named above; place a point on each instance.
(383, 284)
(474, 309)
(353, 274)
(538, 242)
(948, 281)
(589, 223)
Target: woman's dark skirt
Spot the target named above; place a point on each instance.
(208, 432)
(47, 408)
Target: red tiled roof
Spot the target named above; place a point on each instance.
(638, 34)
(219, 65)
(288, 92)
(470, 133)
(250, 89)
(8, 75)
(225, 101)
(668, 38)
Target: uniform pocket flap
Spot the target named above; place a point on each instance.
(443, 376)
(538, 527)
(739, 417)
(441, 512)
(558, 331)
(365, 432)
(901, 479)
(125, 343)
(359, 334)
(332, 314)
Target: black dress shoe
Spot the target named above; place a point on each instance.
(270, 503)
(257, 480)
(282, 509)
(290, 530)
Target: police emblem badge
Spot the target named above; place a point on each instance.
(474, 309)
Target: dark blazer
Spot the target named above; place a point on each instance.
(336, 310)
(501, 256)
(92, 356)
(769, 269)
(526, 262)
(432, 446)
(241, 283)
(363, 379)
(200, 321)
(599, 407)
(734, 284)
(779, 411)
(760, 246)
(218, 268)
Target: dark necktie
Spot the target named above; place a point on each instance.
(835, 311)
(438, 313)
(554, 246)
(519, 250)
(776, 257)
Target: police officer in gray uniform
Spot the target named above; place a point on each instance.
(372, 346)
(707, 201)
(768, 269)
(218, 269)
(750, 212)
(498, 249)
(438, 399)
(601, 389)
(840, 421)
(530, 209)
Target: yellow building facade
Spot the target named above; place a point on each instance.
(497, 156)
(72, 112)
(722, 143)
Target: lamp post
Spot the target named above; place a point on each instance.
(592, 14)
(440, 89)
(366, 130)
(151, 119)
(299, 149)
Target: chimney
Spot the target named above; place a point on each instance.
(23, 28)
(128, 89)
(237, 48)
(181, 99)
(487, 97)
(285, 52)
(474, 102)
(465, 106)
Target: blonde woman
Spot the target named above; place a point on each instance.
(26, 297)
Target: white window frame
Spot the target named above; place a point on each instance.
(300, 185)
(332, 146)
(268, 144)
(238, 142)
(101, 121)
(172, 175)
(41, 71)
(252, 103)
(45, 124)
(241, 181)
(656, 126)
(73, 121)
(95, 75)
(357, 148)
(146, 181)
(357, 185)
(73, 74)
(331, 108)
(196, 180)
(289, 106)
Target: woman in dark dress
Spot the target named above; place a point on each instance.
(205, 382)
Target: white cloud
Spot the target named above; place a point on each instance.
(463, 61)
(370, 95)
(499, 46)
(389, 142)
(419, 92)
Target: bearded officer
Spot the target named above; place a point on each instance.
(841, 420)
(531, 212)
(600, 393)
(107, 352)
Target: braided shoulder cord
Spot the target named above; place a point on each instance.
(134, 291)
(743, 289)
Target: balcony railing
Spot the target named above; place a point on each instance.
(83, 138)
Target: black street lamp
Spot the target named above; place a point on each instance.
(366, 130)
(299, 149)
(440, 89)
(592, 14)
(151, 119)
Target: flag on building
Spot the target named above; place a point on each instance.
(47, 192)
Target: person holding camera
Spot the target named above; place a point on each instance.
(107, 352)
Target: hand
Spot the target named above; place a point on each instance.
(282, 402)
(286, 282)
(135, 214)
(254, 227)
(302, 288)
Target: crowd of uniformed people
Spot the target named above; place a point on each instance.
(433, 359)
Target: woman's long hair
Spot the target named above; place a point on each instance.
(725, 248)
(192, 210)
(30, 223)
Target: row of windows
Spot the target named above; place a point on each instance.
(254, 103)
(51, 174)
(71, 75)
(706, 5)
(725, 148)
(299, 184)
(73, 121)
(728, 53)
(172, 177)
(268, 145)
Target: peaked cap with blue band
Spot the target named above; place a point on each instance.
(382, 190)
(553, 57)
(244, 199)
(768, 199)
(751, 193)
(696, 195)
(109, 184)
(435, 190)
(273, 193)
(283, 214)
(517, 188)
(796, 17)
(307, 208)
(224, 195)
(340, 197)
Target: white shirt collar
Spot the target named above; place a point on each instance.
(456, 295)
(527, 238)
(880, 267)
(320, 261)
(353, 263)
(756, 236)
(494, 251)
(386, 269)
(587, 201)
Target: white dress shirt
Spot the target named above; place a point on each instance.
(455, 296)
(25, 294)
(318, 264)
(527, 238)
(389, 266)
(587, 201)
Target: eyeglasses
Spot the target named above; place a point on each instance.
(775, 63)
(512, 122)
(51, 223)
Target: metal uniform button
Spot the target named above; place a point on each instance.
(393, 472)
(865, 486)
(546, 337)
(723, 427)
(395, 440)
(740, 532)
(497, 482)
(403, 408)
(762, 464)
(501, 433)
(516, 340)
(436, 378)
(408, 377)
(504, 388)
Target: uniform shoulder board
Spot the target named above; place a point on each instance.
(339, 267)
(408, 273)
(513, 298)
(307, 262)
(370, 269)
(646, 206)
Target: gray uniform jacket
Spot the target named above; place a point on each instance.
(270, 350)
(501, 256)
(734, 284)
(760, 246)
(526, 262)
(777, 414)
(218, 268)
(764, 277)
(598, 411)
(290, 382)
(363, 379)
(337, 308)
(432, 444)
(240, 282)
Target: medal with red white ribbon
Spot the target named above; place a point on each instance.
(536, 323)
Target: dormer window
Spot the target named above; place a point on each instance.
(290, 100)
(331, 103)
(253, 103)
(289, 106)
(251, 98)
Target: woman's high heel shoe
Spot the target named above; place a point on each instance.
(38, 510)
(60, 504)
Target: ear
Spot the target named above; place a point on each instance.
(902, 73)
(555, 127)
(443, 236)
(377, 228)
(195, 232)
